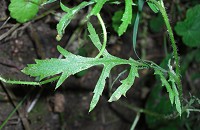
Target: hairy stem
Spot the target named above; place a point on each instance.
(29, 82)
(104, 36)
(174, 47)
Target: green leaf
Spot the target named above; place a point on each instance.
(176, 93)
(153, 7)
(73, 64)
(127, 17)
(156, 23)
(160, 104)
(97, 7)
(126, 84)
(136, 24)
(189, 28)
(171, 89)
(66, 19)
(95, 38)
(64, 8)
(166, 84)
(116, 19)
(23, 10)
(100, 86)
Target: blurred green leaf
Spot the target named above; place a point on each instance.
(197, 55)
(188, 59)
(189, 28)
(156, 23)
(64, 8)
(153, 7)
(116, 19)
(136, 24)
(23, 10)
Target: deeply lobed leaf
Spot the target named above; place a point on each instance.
(73, 64)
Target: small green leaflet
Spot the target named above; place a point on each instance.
(126, 84)
(153, 7)
(23, 10)
(116, 19)
(176, 94)
(127, 17)
(95, 38)
(64, 8)
(166, 84)
(171, 89)
(189, 28)
(100, 86)
(136, 25)
(156, 23)
(172, 77)
(66, 19)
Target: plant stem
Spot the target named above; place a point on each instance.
(104, 36)
(170, 116)
(29, 82)
(135, 121)
(174, 47)
(13, 112)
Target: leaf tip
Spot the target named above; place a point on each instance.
(57, 86)
(58, 37)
